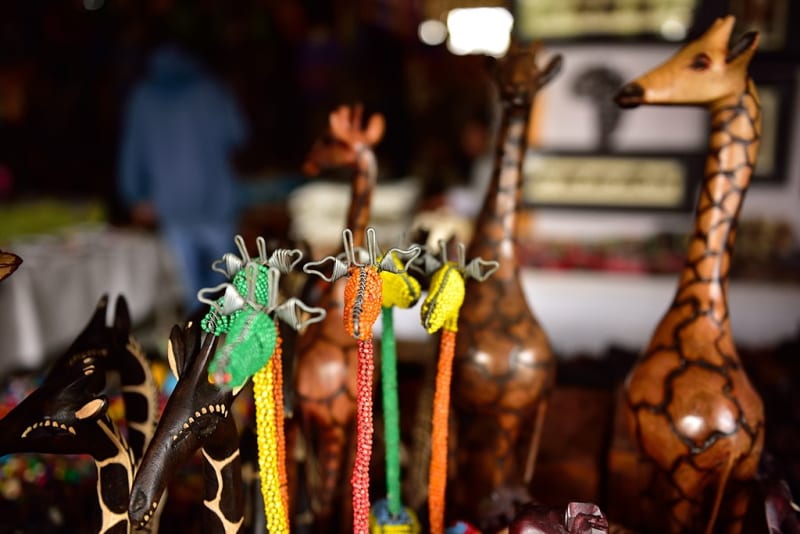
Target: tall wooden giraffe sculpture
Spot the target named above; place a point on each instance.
(503, 368)
(197, 415)
(327, 357)
(67, 414)
(690, 406)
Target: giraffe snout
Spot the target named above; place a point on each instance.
(630, 96)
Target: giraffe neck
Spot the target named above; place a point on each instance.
(494, 237)
(223, 499)
(733, 147)
(139, 395)
(114, 464)
(366, 174)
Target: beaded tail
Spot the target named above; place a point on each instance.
(391, 415)
(437, 475)
(268, 445)
(360, 478)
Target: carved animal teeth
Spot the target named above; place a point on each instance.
(191, 420)
(47, 422)
(26, 431)
(185, 426)
(63, 426)
(71, 430)
(204, 410)
(197, 414)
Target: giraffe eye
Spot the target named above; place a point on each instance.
(700, 62)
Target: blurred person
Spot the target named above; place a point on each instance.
(180, 130)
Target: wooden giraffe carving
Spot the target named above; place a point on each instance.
(503, 368)
(690, 406)
(327, 357)
(197, 415)
(67, 414)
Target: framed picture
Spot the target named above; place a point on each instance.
(571, 20)
(590, 153)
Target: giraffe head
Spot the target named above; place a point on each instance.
(345, 140)
(705, 71)
(61, 415)
(363, 291)
(519, 78)
(197, 413)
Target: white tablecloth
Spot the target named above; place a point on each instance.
(50, 298)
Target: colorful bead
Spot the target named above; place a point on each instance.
(362, 301)
(364, 430)
(268, 447)
(437, 474)
(445, 296)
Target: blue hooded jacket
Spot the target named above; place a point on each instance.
(181, 127)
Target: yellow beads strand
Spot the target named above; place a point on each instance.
(266, 431)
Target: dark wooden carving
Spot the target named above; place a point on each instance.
(67, 414)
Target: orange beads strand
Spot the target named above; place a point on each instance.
(437, 476)
(364, 429)
(277, 396)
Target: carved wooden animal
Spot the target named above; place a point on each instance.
(503, 368)
(197, 416)
(67, 414)
(9, 262)
(327, 357)
(690, 406)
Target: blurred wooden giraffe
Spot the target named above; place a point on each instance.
(690, 406)
(327, 357)
(67, 414)
(503, 368)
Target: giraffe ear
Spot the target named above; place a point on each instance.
(744, 47)
(177, 351)
(550, 71)
(92, 409)
(375, 128)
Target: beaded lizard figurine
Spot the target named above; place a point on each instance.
(389, 516)
(440, 312)
(362, 304)
(244, 314)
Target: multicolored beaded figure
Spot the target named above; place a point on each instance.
(363, 299)
(388, 515)
(440, 312)
(245, 316)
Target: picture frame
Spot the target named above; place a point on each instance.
(588, 153)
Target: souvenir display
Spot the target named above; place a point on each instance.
(327, 357)
(689, 403)
(503, 368)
